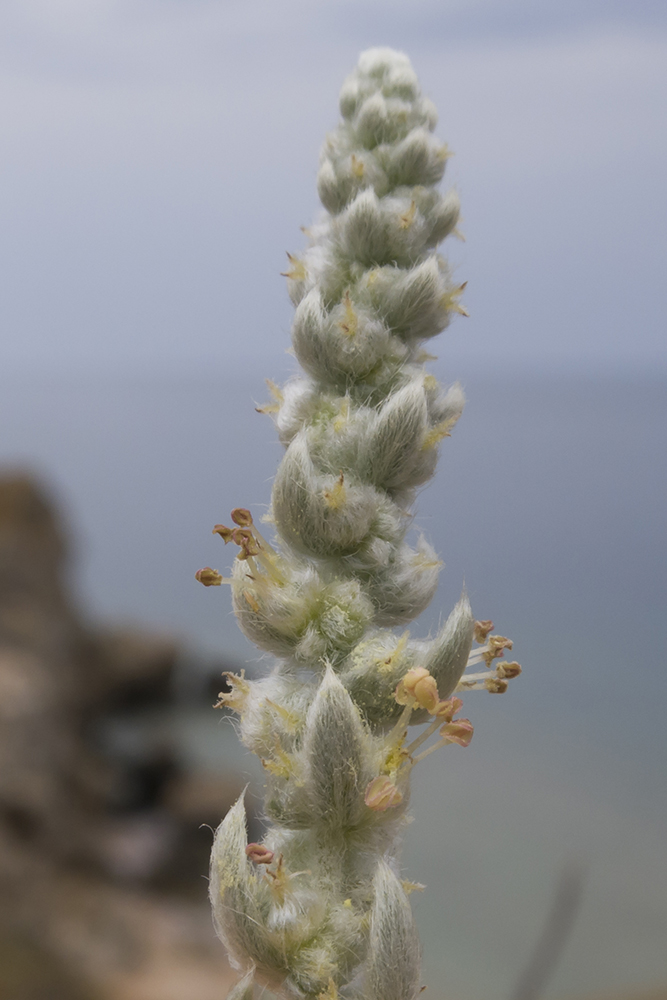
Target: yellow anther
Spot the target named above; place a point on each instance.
(275, 391)
(277, 396)
(430, 383)
(508, 670)
(237, 698)
(335, 497)
(343, 414)
(418, 687)
(495, 685)
(395, 759)
(450, 300)
(349, 322)
(496, 644)
(382, 794)
(482, 629)
(407, 218)
(331, 993)
(250, 599)
(409, 887)
(385, 662)
(404, 693)
(447, 709)
(422, 561)
(347, 903)
(289, 719)
(357, 166)
(437, 433)
(281, 764)
(278, 880)
(297, 271)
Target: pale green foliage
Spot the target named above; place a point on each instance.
(329, 914)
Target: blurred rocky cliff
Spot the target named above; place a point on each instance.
(102, 849)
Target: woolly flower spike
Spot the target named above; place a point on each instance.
(316, 909)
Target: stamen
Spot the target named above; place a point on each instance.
(459, 732)
(407, 218)
(357, 166)
(335, 497)
(210, 577)
(482, 629)
(263, 542)
(473, 677)
(477, 655)
(297, 271)
(382, 794)
(349, 322)
(437, 433)
(398, 731)
(424, 736)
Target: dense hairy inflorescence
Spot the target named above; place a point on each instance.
(318, 908)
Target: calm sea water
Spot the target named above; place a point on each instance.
(550, 504)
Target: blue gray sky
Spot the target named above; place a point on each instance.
(159, 156)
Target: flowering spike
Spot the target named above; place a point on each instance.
(315, 909)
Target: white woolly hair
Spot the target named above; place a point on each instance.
(318, 907)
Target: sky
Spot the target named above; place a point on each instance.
(159, 157)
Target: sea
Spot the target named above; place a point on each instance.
(549, 506)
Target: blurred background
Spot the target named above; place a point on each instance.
(157, 160)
